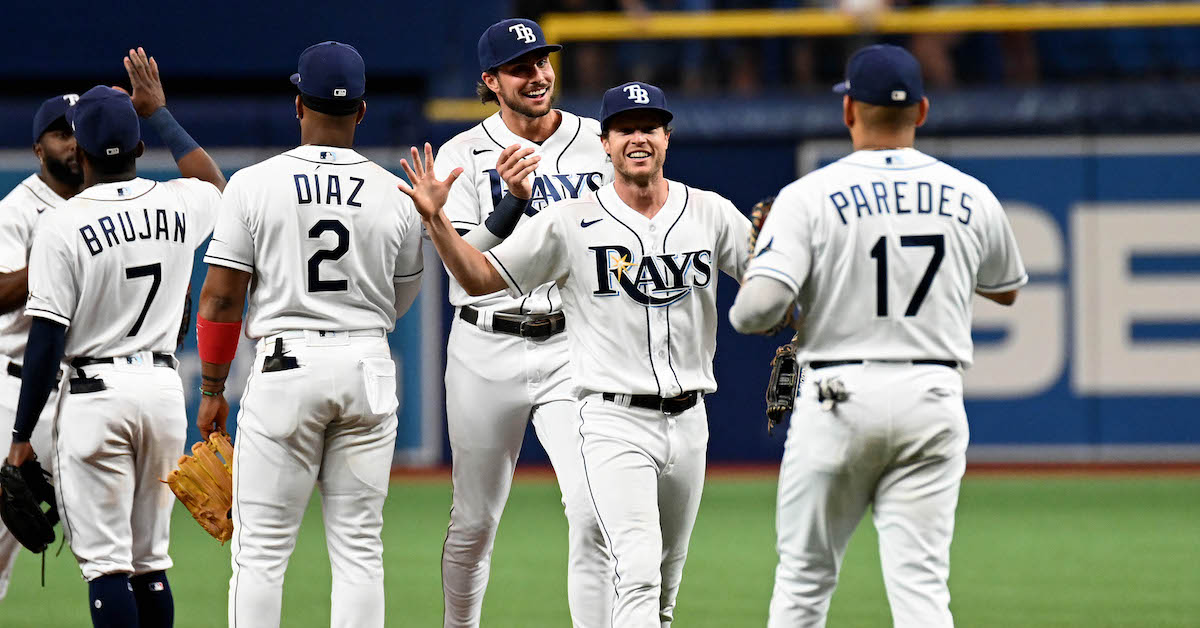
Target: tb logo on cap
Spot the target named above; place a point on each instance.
(524, 33)
(71, 99)
(637, 94)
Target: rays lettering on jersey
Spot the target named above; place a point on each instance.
(134, 226)
(655, 280)
(548, 188)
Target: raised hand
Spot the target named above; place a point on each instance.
(148, 95)
(426, 191)
(514, 166)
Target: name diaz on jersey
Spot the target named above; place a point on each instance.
(669, 278)
(548, 188)
(134, 225)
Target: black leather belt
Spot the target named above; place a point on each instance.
(820, 364)
(160, 359)
(666, 405)
(14, 370)
(523, 325)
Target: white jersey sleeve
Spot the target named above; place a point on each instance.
(1000, 267)
(532, 255)
(462, 206)
(410, 263)
(201, 200)
(53, 290)
(783, 250)
(16, 231)
(232, 245)
(733, 240)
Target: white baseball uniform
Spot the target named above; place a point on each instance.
(496, 382)
(19, 213)
(335, 251)
(641, 298)
(113, 265)
(883, 251)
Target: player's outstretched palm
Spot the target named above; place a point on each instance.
(426, 191)
(148, 95)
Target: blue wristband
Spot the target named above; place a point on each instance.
(173, 135)
(504, 218)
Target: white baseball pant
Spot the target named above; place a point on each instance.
(495, 383)
(645, 475)
(43, 446)
(898, 444)
(330, 423)
(113, 448)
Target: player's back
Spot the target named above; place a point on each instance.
(120, 257)
(326, 233)
(899, 244)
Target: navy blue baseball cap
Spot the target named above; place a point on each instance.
(633, 96)
(334, 73)
(51, 110)
(508, 39)
(104, 122)
(883, 75)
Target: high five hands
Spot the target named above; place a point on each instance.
(426, 191)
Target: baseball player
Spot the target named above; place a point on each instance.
(507, 357)
(108, 274)
(334, 250)
(58, 180)
(636, 265)
(882, 251)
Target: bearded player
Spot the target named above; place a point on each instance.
(59, 179)
(507, 358)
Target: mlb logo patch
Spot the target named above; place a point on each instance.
(112, 151)
(899, 95)
(339, 92)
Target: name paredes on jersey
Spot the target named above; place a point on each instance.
(133, 225)
(548, 188)
(655, 280)
(903, 197)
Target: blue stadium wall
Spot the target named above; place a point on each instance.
(1098, 361)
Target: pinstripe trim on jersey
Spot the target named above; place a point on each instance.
(851, 163)
(511, 281)
(464, 222)
(35, 194)
(483, 125)
(670, 362)
(153, 184)
(328, 163)
(47, 314)
(409, 276)
(774, 273)
(217, 260)
(603, 529)
(642, 247)
(578, 127)
(1004, 286)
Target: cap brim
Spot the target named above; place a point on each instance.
(548, 48)
(667, 116)
(842, 88)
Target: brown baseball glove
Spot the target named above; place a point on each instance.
(204, 483)
(758, 216)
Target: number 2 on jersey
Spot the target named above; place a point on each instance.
(315, 283)
(136, 272)
(879, 254)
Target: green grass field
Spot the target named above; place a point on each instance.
(1030, 551)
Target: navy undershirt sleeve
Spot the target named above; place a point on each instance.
(43, 354)
(504, 218)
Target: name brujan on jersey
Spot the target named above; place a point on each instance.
(548, 188)
(903, 197)
(655, 280)
(144, 224)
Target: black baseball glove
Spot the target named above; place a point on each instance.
(781, 388)
(24, 490)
